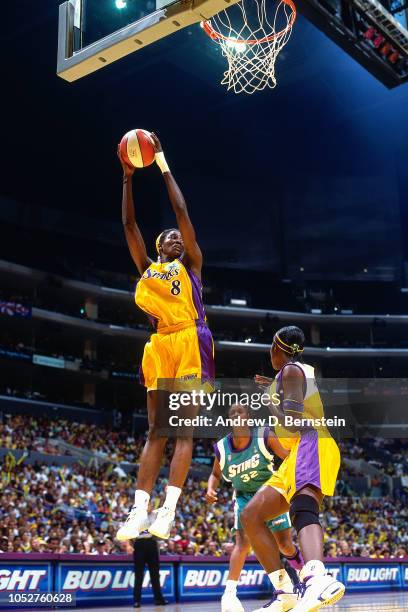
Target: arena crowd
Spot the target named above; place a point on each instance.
(77, 509)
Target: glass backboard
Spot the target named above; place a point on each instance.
(95, 33)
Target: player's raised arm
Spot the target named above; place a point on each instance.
(193, 255)
(133, 235)
(213, 483)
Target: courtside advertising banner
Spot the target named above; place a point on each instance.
(204, 581)
(108, 584)
(404, 572)
(358, 577)
(24, 578)
(336, 570)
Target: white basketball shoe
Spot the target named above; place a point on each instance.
(137, 521)
(319, 588)
(163, 523)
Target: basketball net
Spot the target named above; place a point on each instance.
(251, 34)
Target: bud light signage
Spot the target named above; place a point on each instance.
(359, 577)
(98, 583)
(404, 571)
(335, 570)
(16, 578)
(204, 581)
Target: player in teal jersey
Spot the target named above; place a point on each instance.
(246, 459)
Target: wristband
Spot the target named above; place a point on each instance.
(293, 405)
(161, 162)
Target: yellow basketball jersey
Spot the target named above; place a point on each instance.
(170, 294)
(313, 407)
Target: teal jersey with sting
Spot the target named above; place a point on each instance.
(248, 468)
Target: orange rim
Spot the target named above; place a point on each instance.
(209, 30)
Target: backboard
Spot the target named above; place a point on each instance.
(95, 33)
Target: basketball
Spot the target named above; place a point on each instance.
(137, 148)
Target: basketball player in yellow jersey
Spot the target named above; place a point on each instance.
(170, 292)
(307, 474)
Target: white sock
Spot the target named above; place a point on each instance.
(281, 581)
(231, 586)
(141, 499)
(172, 496)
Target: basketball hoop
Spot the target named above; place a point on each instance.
(251, 38)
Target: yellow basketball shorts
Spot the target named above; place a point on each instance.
(185, 356)
(313, 460)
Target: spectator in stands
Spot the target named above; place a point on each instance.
(344, 549)
(100, 548)
(4, 545)
(37, 545)
(44, 505)
(53, 545)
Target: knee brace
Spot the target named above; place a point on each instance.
(304, 511)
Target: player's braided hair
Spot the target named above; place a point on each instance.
(291, 340)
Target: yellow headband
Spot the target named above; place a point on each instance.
(294, 348)
(158, 242)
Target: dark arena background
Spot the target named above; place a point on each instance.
(299, 199)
